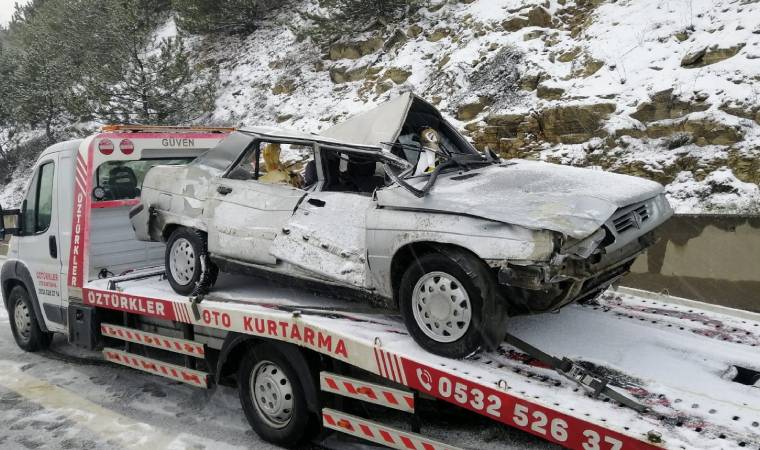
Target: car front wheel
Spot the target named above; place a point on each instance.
(188, 266)
(441, 297)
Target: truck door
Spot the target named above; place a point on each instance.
(39, 245)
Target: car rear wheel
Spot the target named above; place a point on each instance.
(188, 266)
(442, 299)
(273, 397)
(24, 325)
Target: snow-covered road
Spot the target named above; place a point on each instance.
(49, 400)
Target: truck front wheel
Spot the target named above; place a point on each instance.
(272, 397)
(188, 266)
(24, 325)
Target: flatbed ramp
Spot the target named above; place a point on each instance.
(687, 365)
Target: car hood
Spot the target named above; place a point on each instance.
(537, 195)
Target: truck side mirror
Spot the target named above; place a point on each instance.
(10, 222)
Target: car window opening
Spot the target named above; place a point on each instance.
(278, 163)
(415, 136)
(351, 172)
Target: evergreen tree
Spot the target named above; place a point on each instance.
(7, 100)
(221, 16)
(45, 72)
(152, 80)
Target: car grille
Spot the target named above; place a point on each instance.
(631, 219)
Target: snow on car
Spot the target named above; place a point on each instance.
(394, 204)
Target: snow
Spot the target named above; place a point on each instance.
(687, 195)
(636, 41)
(12, 193)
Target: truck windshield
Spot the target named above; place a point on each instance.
(122, 180)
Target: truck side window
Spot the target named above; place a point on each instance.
(39, 200)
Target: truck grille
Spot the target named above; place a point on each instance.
(632, 219)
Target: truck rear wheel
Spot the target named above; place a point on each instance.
(272, 397)
(24, 325)
(188, 266)
(442, 299)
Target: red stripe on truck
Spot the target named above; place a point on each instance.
(153, 307)
(79, 221)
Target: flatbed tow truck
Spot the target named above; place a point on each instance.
(646, 373)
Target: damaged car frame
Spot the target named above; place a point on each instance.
(458, 241)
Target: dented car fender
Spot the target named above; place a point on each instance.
(172, 195)
(390, 230)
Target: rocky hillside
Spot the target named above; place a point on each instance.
(665, 89)
(662, 89)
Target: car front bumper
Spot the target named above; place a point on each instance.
(574, 278)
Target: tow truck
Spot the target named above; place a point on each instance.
(647, 371)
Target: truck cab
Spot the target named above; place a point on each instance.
(103, 172)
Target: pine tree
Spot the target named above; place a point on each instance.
(7, 100)
(152, 81)
(221, 16)
(45, 73)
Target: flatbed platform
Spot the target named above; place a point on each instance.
(685, 364)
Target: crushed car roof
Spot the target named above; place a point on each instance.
(384, 123)
(281, 133)
(380, 124)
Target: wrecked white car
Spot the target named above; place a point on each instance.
(396, 205)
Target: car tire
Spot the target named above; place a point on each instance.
(442, 298)
(273, 397)
(188, 266)
(24, 324)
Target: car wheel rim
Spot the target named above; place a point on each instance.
(272, 394)
(23, 320)
(441, 307)
(182, 261)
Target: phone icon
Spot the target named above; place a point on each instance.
(423, 376)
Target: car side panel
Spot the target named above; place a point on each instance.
(171, 195)
(245, 220)
(389, 230)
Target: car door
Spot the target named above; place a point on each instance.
(39, 245)
(326, 236)
(245, 215)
